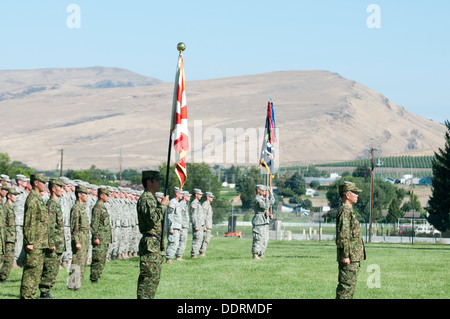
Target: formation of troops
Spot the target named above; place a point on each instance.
(46, 224)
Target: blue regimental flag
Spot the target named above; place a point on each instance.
(267, 158)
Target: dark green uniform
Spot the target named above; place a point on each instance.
(2, 233)
(52, 259)
(101, 230)
(10, 240)
(79, 229)
(150, 218)
(349, 245)
(36, 232)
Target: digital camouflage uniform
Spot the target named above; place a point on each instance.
(79, 228)
(2, 233)
(36, 230)
(198, 221)
(349, 244)
(174, 221)
(184, 227)
(52, 259)
(101, 230)
(208, 212)
(260, 222)
(10, 240)
(150, 218)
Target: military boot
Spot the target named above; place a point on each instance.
(255, 256)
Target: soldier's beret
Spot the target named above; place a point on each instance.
(13, 191)
(198, 191)
(348, 186)
(261, 187)
(81, 189)
(38, 177)
(209, 194)
(159, 194)
(102, 190)
(56, 181)
(151, 174)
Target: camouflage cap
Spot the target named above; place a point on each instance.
(81, 189)
(198, 191)
(151, 174)
(349, 186)
(186, 193)
(159, 194)
(209, 194)
(4, 177)
(102, 190)
(261, 187)
(56, 181)
(20, 177)
(4, 187)
(13, 191)
(38, 177)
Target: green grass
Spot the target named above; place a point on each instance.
(291, 270)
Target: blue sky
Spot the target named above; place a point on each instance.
(407, 58)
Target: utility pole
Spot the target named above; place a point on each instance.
(61, 166)
(120, 164)
(372, 150)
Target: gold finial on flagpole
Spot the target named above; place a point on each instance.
(181, 46)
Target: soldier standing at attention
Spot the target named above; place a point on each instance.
(198, 223)
(350, 246)
(10, 233)
(36, 233)
(52, 259)
(174, 219)
(101, 234)
(207, 209)
(2, 224)
(151, 250)
(184, 225)
(260, 221)
(19, 205)
(79, 228)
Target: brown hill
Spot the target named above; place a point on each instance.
(94, 113)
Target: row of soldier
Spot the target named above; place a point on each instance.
(119, 215)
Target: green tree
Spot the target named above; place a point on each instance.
(394, 212)
(439, 203)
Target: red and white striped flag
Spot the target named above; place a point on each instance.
(179, 127)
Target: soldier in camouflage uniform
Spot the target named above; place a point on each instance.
(184, 225)
(349, 243)
(10, 233)
(52, 259)
(207, 209)
(36, 232)
(260, 221)
(19, 254)
(101, 234)
(198, 223)
(3, 215)
(174, 219)
(79, 227)
(151, 223)
(67, 201)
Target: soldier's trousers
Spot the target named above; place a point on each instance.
(78, 266)
(52, 260)
(348, 275)
(67, 255)
(206, 239)
(7, 261)
(99, 253)
(197, 239)
(34, 263)
(260, 239)
(149, 274)
(173, 240)
(183, 242)
(19, 251)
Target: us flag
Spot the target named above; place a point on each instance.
(179, 127)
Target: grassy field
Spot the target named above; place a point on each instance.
(291, 270)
